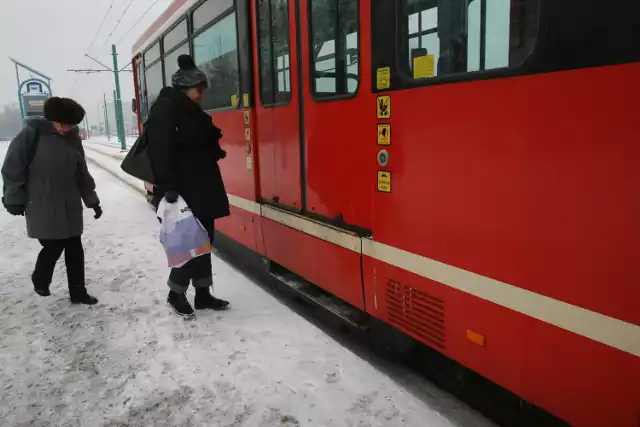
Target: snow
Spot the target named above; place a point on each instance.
(130, 362)
(109, 158)
(112, 142)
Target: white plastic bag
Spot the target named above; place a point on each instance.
(181, 234)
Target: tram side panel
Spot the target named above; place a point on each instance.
(523, 183)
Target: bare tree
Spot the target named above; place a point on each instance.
(10, 123)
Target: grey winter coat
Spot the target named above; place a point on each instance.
(53, 187)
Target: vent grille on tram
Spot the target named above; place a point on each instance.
(417, 313)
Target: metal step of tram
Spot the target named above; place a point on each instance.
(347, 313)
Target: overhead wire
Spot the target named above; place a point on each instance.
(138, 21)
(112, 32)
(117, 25)
(95, 37)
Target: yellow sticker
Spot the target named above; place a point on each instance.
(384, 107)
(384, 181)
(383, 78)
(247, 117)
(234, 100)
(384, 134)
(247, 134)
(249, 162)
(424, 66)
(245, 100)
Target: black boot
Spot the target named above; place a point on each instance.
(181, 305)
(81, 296)
(74, 259)
(40, 288)
(206, 301)
(43, 292)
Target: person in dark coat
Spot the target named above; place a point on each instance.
(46, 179)
(184, 150)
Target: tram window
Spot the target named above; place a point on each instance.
(176, 36)
(152, 54)
(153, 78)
(275, 66)
(209, 11)
(141, 92)
(334, 47)
(216, 53)
(171, 62)
(444, 37)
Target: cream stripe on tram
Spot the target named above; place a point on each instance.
(607, 330)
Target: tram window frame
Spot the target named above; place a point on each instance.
(230, 11)
(328, 97)
(154, 45)
(159, 64)
(272, 65)
(143, 111)
(219, 8)
(175, 46)
(169, 34)
(159, 61)
(403, 51)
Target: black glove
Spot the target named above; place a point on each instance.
(221, 155)
(17, 210)
(171, 196)
(98, 210)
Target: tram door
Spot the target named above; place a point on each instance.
(277, 104)
(316, 144)
(316, 150)
(338, 118)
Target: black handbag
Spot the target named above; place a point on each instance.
(137, 162)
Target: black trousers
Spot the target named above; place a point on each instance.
(197, 271)
(49, 256)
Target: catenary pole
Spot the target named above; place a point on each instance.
(106, 119)
(118, 100)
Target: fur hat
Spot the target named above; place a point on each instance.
(63, 110)
(188, 75)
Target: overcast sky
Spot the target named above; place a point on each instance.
(54, 35)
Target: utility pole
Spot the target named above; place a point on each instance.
(20, 96)
(86, 124)
(118, 101)
(106, 119)
(117, 116)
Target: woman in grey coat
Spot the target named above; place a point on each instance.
(46, 179)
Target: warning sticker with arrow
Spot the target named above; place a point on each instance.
(384, 181)
(384, 134)
(384, 107)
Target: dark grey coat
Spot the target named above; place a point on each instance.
(54, 186)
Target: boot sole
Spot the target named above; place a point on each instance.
(83, 303)
(184, 316)
(225, 308)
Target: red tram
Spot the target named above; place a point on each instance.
(463, 170)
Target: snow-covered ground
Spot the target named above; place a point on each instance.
(112, 142)
(130, 362)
